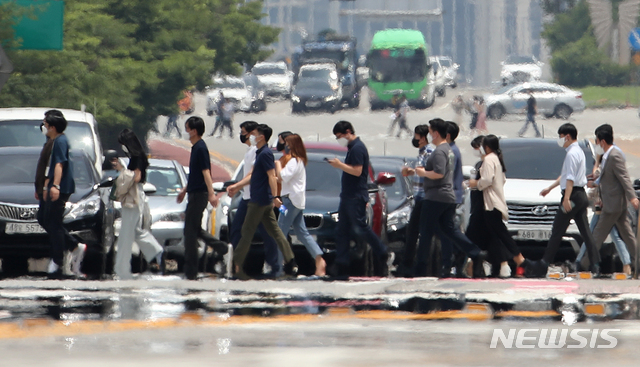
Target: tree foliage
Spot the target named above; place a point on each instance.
(129, 60)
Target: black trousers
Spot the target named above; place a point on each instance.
(193, 230)
(501, 246)
(59, 238)
(413, 230)
(561, 223)
(353, 225)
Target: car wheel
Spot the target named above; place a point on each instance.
(454, 85)
(496, 112)
(563, 111)
(442, 92)
(15, 266)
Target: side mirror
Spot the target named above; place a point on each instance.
(385, 179)
(107, 182)
(222, 186)
(149, 188)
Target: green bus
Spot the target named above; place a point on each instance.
(398, 64)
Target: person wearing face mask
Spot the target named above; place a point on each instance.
(286, 156)
(270, 247)
(573, 205)
(200, 192)
(616, 191)
(491, 184)
(420, 141)
(260, 208)
(354, 197)
(476, 230)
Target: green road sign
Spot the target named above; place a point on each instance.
(45, 31)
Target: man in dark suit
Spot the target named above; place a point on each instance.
(616, 191)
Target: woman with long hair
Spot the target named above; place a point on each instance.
(131, 195)
(491, 183)
(294, 184)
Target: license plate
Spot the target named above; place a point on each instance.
(313, 104)
(24, 228)
(534, 235)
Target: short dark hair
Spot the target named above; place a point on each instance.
(249, 126)
(265, 130)
(453, 130)
(605, 132)
(477, 141)
(422, 130)
(342, 126)
(56, 119)
(568, 129)
(440, 126)
(195, 123)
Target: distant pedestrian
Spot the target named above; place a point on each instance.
(200, 192)
(458, 105)
(532, 109)
(293, 177)
(218, 111)
(172, 123)
(353, 202)
(58, 187)
(260, 207)
(573, 205)
(401, 112)
(481, 123)
(227, 114)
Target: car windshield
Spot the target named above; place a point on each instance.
(397, 65)
(445, 63)
(322, 177)
(230, 85)
(166, 180)
(341, 57)
(536, 161)
(513, 59)
(21, 169)
(27, 133)
(318, 74)
(268, 70)
(318, 85)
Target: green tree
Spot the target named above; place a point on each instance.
(567, 27)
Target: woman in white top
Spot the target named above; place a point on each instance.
(293, 177)
(491, 183)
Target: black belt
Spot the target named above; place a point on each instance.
(577, 188)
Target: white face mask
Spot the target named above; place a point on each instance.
(561, 142)
(343, 141)
(252, 140)
(482, 152)
(477, 153)
(44, 130)
(599, 150)
(125, 150)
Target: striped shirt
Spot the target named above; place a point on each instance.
(418, 182)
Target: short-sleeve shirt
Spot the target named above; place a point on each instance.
(531, 106)
(441, 161)
(356, 186)
(457, 173)
(138, 163)
(260, 188)
(60, 154)
(574, 167)
(249, 159)
(198, 162)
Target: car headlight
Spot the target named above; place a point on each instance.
(295, 98)
(84, 208)
(330, 98)
(372, 198)
(335, 217)
(172, 217)
(399, 217)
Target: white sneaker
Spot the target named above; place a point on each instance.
(53, 267)
(76, 258)
(505, 271)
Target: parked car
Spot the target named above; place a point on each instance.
(21, 127)
(246, 93)
(315, 94)
(551, 99)
(275, 77)
(519, 69)
(89, 215)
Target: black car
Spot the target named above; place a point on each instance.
(315, 94)
(88, 216)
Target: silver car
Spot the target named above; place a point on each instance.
(551, 100)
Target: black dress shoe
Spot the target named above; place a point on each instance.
(535, 269)
(478, 265)
(291, 268)
(595, 270)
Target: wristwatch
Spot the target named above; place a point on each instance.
(56, 186)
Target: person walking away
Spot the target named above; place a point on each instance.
(200, 192)
(438, 208)
(473, 108)
(132, 198)
(532, 109)
(573, 205)
(293, 177)
(616, 191)
(395, 103)
(421, 142)
(270, 246)
(218, 111)
(491, 183)
(401, 115)
(354, 197)
(172, 123)
(260, 208)
(458, 106)
(58, 187)
(228, 111)
(481, 124)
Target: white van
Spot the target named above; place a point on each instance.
(21, 127)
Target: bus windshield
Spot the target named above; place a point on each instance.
(397, 65)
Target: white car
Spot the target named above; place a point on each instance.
(520, 69)
(275, 78)
(437, 77)
(450, 70)
(233, 88)
(324, 71)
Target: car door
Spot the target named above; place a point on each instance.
(545, 99)
(518, 100)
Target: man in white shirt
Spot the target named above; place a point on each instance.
(270, 246)
(573, 205)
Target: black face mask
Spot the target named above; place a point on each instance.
(243, 139)
(415, 142)
(287, 150)
(280, 147)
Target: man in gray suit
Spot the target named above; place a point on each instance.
(616, 191)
